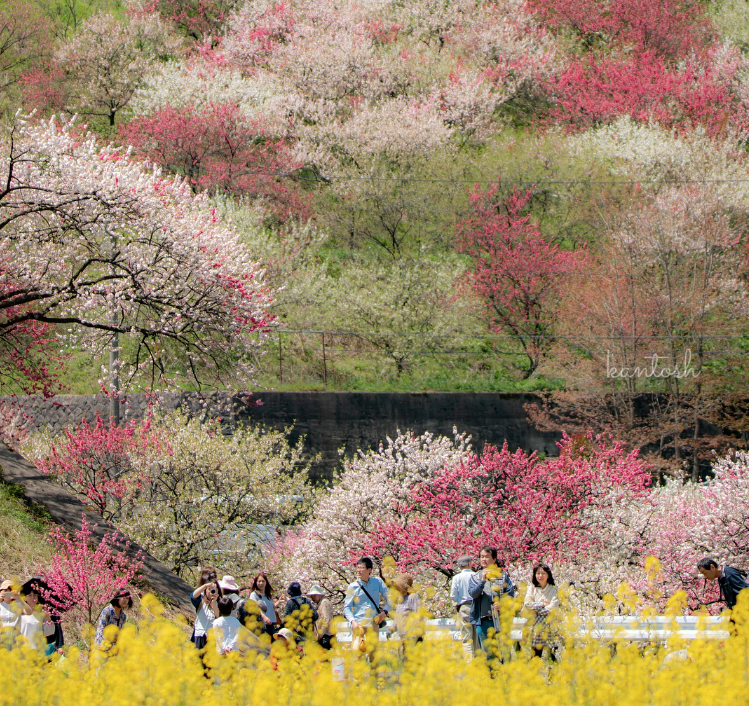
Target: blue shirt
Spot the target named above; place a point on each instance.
(459, 587)
(358, 607)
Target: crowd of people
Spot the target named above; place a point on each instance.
(239, 622)
(239, 617)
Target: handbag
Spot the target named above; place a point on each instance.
(359, 643)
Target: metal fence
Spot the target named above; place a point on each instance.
(658, 628)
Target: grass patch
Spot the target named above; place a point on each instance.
(23, 546)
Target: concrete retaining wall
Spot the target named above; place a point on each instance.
(329, 421)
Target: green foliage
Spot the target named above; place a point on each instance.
(67, 15)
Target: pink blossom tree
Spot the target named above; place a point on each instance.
(197, 19)
(82, 578)
(99, 462)
(517, 273)
(371, 488)
(97, 242)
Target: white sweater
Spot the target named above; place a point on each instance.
(548, 596)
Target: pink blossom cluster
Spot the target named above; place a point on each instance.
(85, 573)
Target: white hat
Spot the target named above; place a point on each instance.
(315, 590)
(286, 634)
(228, 583)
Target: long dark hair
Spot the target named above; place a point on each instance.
(546, 568)
(115, 602)
(268, 593)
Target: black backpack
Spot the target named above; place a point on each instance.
(298, 602)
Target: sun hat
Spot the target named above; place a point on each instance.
(403, 582)
(228, 583)
(5, 585)
(315, 590)
(294, 589)
(286, 634)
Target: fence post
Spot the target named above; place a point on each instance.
(324, 362)
(280, 369)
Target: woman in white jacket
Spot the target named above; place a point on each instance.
(542, 597)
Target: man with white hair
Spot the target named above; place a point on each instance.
(462, 601)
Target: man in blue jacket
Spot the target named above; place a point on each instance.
(730, 580)
(486, 589)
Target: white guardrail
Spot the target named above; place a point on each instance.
(620, 627)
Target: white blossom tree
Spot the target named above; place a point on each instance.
(107, 59)
(93, 241)
(326, 547)
(217, 499)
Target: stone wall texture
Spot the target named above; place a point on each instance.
(328, 421)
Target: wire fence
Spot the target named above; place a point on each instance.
(328, 356)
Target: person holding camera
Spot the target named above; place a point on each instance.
(362, 605)
(205, 599)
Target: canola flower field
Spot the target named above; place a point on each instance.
(152, 663)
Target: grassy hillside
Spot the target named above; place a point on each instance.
(23, 545)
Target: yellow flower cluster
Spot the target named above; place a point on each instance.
(153, 664)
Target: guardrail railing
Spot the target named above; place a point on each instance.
(622, 627)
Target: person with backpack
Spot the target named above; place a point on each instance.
(362, 606)
(300, 614)
(730, 580)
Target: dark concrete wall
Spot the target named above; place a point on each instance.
(352, 420)
(334, 420)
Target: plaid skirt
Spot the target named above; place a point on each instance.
(543, 634)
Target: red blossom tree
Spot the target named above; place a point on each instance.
(198, 19)
(98, 462)
(217, 148)
(530, 509)
(24, 39)
(670, 28)
(654, 60)
(517, 273)
(82, 577)
(30, 359)
(646, 87)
